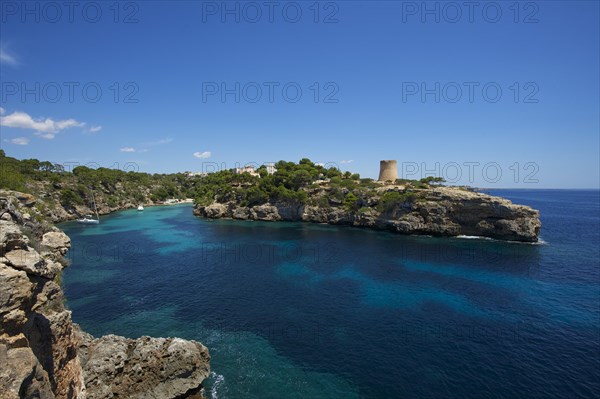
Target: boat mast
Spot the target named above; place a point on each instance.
(95, 207)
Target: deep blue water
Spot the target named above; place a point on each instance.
(292, 310)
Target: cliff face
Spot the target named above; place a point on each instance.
(43, 354)
(63, 213)
(46, 203)
(37, 337)
(439, 211)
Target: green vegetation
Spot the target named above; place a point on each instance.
(350, 202)
(14, 173)
(115, 187)
(69, 197)
(308, 183)
(287, 184)
(432, 180)
(293, 183)
(392, 199)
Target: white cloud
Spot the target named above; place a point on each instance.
(6, 58)
(2, 111)
(94, 129)
(46, 128)
(202, 155)
(19, 141)
(157, 142)
(47, 136)
(345, 161)
(146, 144)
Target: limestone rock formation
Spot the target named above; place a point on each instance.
(30, 261)
(56, 241)
(36, 335)
(42, 350)
(22, 376)
(142, 368)
(265, 212)
(215, 211)
(441, 211)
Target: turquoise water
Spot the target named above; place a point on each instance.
(291, 310)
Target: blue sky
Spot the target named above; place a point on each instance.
(378, 80)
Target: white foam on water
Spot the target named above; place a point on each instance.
(219, 378)
(540, 241)
(474, 237)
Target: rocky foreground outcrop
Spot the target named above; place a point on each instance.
(43, 354)
(141, 368)
(441, 211)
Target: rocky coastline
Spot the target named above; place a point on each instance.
(439, 211)
(43, 354)
(61, 213)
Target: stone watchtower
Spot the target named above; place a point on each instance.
(388, 170)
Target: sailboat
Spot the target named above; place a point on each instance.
(88, 219)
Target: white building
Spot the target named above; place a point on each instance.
(270, 168)
(192, 174)
(247, 169)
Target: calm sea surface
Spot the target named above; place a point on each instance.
(292, 310)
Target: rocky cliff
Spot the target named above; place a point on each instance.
(46, 203)
(440, 211)
(62, 213)
(43, 354)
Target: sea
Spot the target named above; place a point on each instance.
(299, 310)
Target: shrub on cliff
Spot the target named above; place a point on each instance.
(12, 174)
(256, 196)
(350, 202)
(431, 180)
(282, 194)
(69, 197)
(392, 199)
